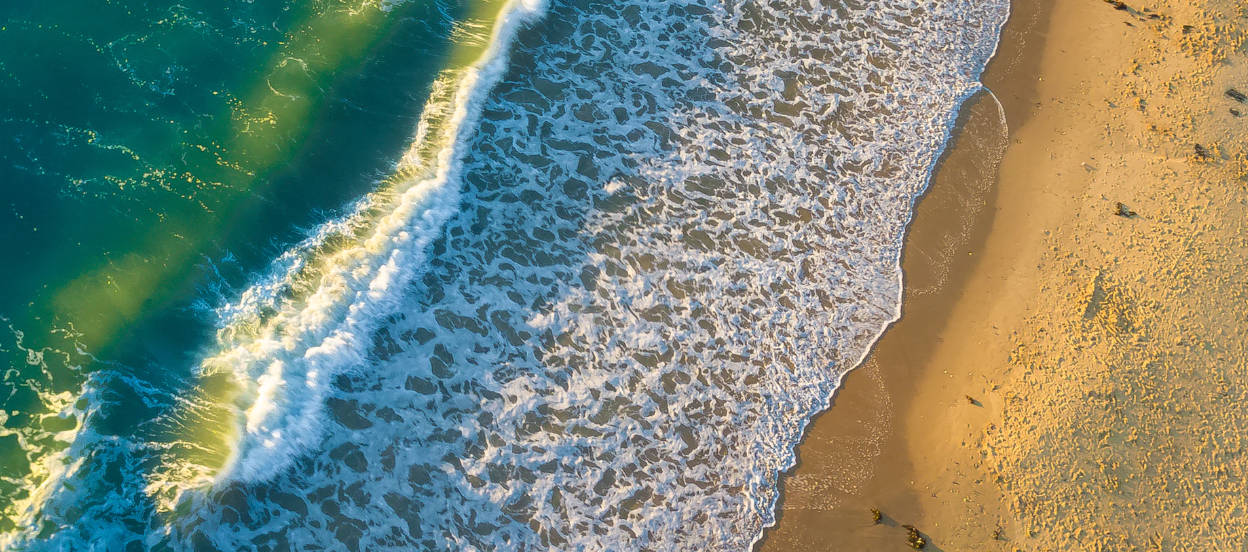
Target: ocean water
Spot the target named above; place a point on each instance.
(436, 274)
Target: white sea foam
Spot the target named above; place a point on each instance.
(286, 364)
(49, 452)
(680, 227)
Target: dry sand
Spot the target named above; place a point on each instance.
(1063, 378)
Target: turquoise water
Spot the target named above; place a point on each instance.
(154, 157)
(365, 275)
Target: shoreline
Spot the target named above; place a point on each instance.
(975, 106)
(960, 421)
(952, 217)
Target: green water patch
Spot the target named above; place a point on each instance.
(208, 431)
(150, 147)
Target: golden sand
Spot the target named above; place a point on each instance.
(1063, 378)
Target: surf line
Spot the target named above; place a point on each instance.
(260, 403)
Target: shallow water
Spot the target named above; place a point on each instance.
(613, 257)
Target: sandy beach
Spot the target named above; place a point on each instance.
(1069, 365)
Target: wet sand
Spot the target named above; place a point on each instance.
(1061, 377)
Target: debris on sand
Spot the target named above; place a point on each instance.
(914, 538)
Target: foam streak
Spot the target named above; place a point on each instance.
(284, 366)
